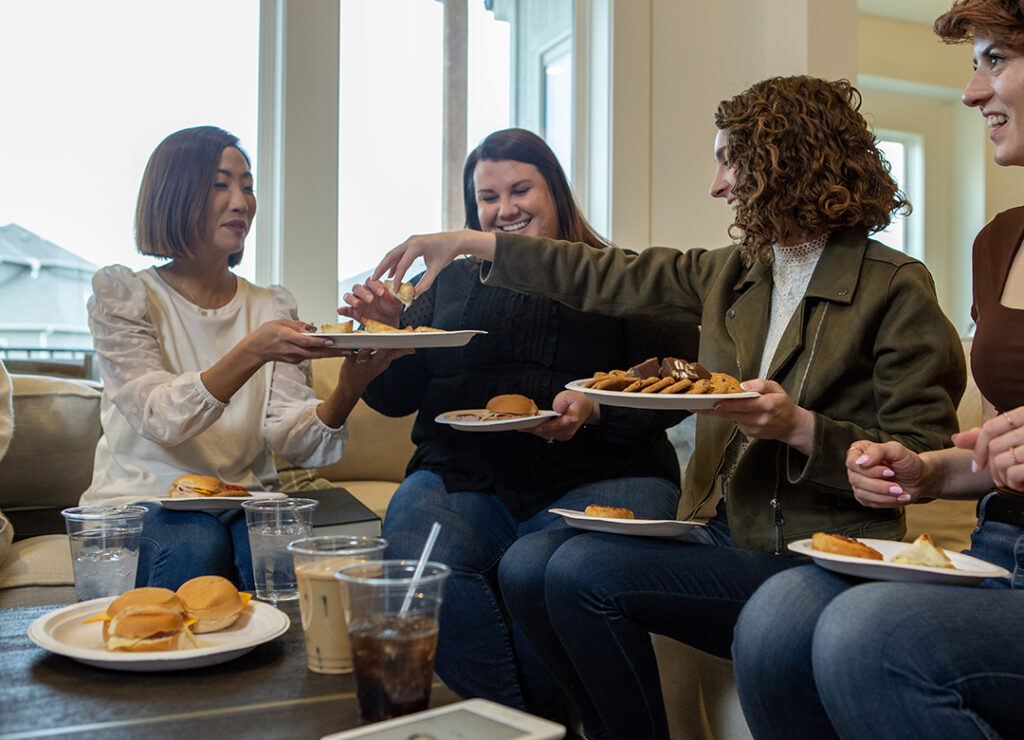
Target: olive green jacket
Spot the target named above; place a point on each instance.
(868, 351)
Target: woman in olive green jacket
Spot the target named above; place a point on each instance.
(842, 337)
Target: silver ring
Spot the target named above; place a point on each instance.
(551, 440)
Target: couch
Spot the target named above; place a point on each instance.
(50, 464)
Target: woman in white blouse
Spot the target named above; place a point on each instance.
(199, 366)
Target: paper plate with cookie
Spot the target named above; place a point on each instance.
(376, 335)
(668, 384)
(620, 520)
(885, 560)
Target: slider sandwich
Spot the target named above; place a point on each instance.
(213, 602)
(146, 596)
(148, 628)
(511, 405)
(191, 485)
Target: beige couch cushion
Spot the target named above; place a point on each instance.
(49, 463)
(378, 447)
(38, 561)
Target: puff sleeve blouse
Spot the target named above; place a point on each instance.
(160, 421)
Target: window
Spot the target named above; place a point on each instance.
(905, 156)
(403, 135)
(97, 86)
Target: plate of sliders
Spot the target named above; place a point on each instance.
(667, 384)
(375, 335)
(207, 621)
(885, 560)
(504, 413)
(620, 520)
(193, 492)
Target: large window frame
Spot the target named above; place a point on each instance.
(298, 146)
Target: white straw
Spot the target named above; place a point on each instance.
(431, 539)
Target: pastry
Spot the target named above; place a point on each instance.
(841, 545)
(923, 552)
(609, 512)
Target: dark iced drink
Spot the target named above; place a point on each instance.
(393, 658)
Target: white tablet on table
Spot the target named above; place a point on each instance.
(466, 720)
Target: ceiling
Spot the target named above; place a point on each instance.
(914, 11)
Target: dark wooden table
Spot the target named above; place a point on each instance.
(267, 693)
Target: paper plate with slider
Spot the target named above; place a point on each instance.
(619, 520)
(670, 384)
(154, 629)
(193, 492)
(504, 413)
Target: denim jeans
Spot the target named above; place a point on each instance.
(179, 545)
(589, 613)
(479, 652)
(820, 655)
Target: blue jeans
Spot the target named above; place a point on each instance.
(820, 655)
(589, 613)
(479, 652)
(179, 545)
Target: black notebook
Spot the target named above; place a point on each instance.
(339, 512)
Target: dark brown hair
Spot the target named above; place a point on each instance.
(171, 211)
(520, 145)
(804, 161)
(1000, 20)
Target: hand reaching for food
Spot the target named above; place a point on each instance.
(999, 446)
(375, 302)
(575, 409)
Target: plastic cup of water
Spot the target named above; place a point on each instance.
(273, 525)
(104, 548)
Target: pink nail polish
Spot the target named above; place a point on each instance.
(888, 473)
(895, 490)
(974, 466)
(862, 459)
(905, 498)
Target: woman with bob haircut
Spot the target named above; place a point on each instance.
(842, 338)
(490, 490)
(819, 655)
(199, 366)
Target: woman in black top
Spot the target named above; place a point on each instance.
(488, 490)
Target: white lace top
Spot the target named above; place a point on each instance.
(160, 421)
(791, 272)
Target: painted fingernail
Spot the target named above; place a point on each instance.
(895, 490)
(862, 459)
(328, 342)
(888, 473)
(974, 466)
(905, 498)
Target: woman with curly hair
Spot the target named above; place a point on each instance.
(841, 336)
(819, 655)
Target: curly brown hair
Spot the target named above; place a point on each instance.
(804, 161)
(1000, 20)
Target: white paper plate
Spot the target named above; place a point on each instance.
(215, 503)
(655, 401)
(62, 632)
(401, 339)
(638, 527)
(969, 571)
(496, 425)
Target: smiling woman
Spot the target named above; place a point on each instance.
(177, 343)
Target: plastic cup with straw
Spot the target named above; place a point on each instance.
(392, 609)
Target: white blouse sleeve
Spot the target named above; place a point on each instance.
(163, 407)
(293, 429)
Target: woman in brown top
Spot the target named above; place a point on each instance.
(816, 658)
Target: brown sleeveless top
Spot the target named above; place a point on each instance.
(997, 353)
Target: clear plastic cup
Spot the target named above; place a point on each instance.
(392, 651)
(273, 524)
(321, 596)
(104, 548)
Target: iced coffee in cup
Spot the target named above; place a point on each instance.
(392, 626)
(317, 560)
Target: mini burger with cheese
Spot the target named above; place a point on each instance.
(147, 628)
(146, 596)
(213, 602)
(510, 406)
(193, 484)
